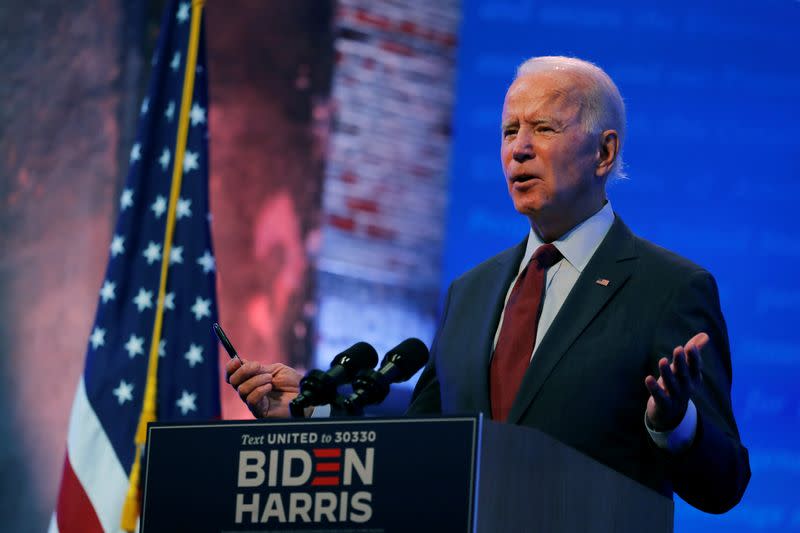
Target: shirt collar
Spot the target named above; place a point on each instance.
(578, 244)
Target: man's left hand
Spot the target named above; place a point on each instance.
(670, 393)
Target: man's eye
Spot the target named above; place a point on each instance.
(545, 129)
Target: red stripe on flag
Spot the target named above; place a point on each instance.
(328, 467)
(327, 452)
(325, 481)
(74, 511)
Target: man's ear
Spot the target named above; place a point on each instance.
(607, 153)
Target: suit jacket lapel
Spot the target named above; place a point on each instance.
(492, 288)
(612, 262)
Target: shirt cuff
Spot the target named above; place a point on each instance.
(679, 438)
(321, 411)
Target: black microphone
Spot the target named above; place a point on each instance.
(319, 388)
(398, 365)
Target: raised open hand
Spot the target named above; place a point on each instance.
(670, 393)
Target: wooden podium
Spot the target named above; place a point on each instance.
(384, 475)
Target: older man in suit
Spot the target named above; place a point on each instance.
(599, 338)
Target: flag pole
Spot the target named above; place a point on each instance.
(131, 510)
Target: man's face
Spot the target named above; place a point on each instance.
(549, 161)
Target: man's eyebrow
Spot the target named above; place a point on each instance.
(538, 121)
(544, 120)
(508, 123)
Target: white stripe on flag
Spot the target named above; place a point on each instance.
(53, 524)
(94, 462)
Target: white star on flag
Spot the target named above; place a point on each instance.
(107, 292)
(145, 106)
(176, 255)
(152, 253)
(184, 208)
(164, 159)
(134, 346)
(169, 301)
(170, 112)
(123, 392)
(98, 337)
(126, 199)
(143, 300)
(117, 245)
(197, 114)
(194, 355)
(207, 262)
(136, 152)
(176, 61)
(159, 206)
(183, 12)
(201, 308)
(190, 161)
(186, 402)
(162, 348)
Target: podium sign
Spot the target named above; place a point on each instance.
(443, 474)
(378, 475)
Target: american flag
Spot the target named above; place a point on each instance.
(101, 447)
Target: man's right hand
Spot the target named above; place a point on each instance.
(266, 389)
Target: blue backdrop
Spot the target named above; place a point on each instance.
(712, 150)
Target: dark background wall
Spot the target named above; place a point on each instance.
(69, 72)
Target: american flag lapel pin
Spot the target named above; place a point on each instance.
(602, 281)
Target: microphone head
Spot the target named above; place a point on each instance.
(359, 356)
(408, 356)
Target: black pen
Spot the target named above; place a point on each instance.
(226, 343)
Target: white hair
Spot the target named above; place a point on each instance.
(602, 107)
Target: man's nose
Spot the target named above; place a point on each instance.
(523, 148)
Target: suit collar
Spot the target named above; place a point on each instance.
(606, 272)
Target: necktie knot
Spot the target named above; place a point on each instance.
(546, 256)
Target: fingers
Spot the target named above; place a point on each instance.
(245, 372)
(273, 368)
(680, 368)
(676, 383)
(230, 367)
(253, 399)
(699, 340)
(253, 383)
(284, 377)
(658, 394)
(693, 358)
(673, 388)
(695, 364)
(673, 382)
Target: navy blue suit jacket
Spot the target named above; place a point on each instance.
(585, 385)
